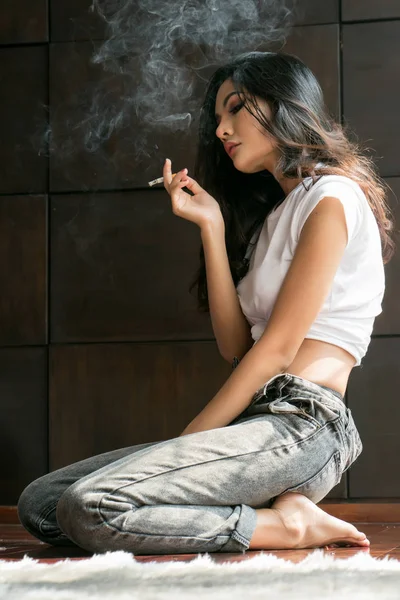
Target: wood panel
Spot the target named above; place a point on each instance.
(73, 20)
(312, 12)
(358, 10)
(388, 322)
(107, 396)
(366, 511)
(23, 76)
(121, 266)
(9, 515)
(23, 266)
(371, 63)
(23, 387)
(374, 401)
(23, 21)
(306, 43)
(128, 158)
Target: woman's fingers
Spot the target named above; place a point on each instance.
(167, 174)
(178, 181)
(171, 181)
(193, 186)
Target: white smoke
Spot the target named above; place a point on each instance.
(156, 58)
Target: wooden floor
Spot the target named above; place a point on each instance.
(380, 522)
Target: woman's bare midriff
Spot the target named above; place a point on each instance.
(323, 364)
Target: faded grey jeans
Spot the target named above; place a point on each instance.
(198, 493)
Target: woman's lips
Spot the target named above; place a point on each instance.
(232, 149)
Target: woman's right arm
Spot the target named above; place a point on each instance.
(231, 328)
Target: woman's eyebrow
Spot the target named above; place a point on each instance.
(225, 101)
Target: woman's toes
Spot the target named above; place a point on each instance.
(365, 542)
(361, 537)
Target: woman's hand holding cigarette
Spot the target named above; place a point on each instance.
(201, 208)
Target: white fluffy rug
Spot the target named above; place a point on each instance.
(118, 576)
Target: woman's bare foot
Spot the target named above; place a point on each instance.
(311, 527)
(295, 522)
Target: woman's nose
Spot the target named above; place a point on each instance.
(223, 130)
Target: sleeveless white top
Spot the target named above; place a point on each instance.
(355, 299)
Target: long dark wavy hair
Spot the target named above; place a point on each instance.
(306, 136)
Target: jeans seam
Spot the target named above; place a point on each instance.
(239, 538)
(342, 430)
(337, 460)
(99, 509)
(339, 425)
(43, 517)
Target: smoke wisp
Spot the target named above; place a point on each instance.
(156, 58)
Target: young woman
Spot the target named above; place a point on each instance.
(295, 233)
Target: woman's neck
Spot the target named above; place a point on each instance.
(288, 184)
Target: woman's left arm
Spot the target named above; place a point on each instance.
(307, 284)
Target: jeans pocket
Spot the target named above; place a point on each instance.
(319, 485)
(312, 408)
(301, 407)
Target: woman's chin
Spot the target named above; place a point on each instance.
(243, 168)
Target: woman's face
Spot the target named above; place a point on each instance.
(257, 150)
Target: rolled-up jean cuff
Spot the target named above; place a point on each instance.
(245, 527)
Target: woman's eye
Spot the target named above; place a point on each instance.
(233, 111)
(236, 108)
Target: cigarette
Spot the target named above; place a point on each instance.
(159, 180)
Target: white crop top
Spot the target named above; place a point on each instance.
(355, 299)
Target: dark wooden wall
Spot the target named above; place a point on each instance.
(100, 343)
